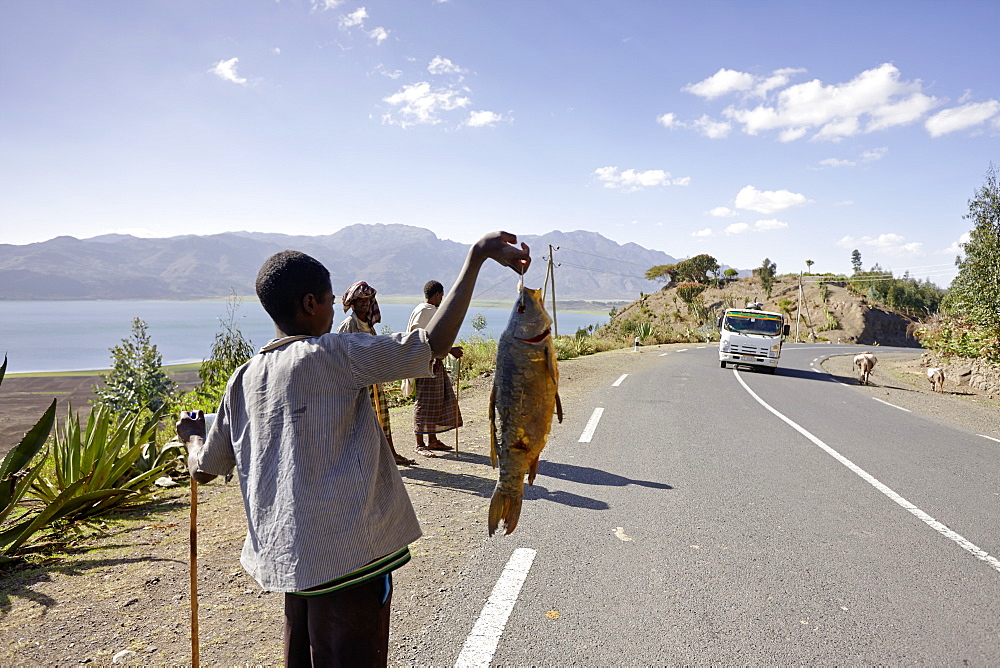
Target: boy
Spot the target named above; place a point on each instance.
(328, 517)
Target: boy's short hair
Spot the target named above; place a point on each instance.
(432, 288)
(285, 278)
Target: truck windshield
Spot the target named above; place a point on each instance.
(753, 323)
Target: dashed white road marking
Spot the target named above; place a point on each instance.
(588, 431)
(990, 437)
(620, 379)
(965, 544)
(893, 405)
(683, 350)
(485, 635)
(664, 354)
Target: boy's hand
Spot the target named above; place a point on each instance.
(457, 352)
(192, 423)
(499, 246)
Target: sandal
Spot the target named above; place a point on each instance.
(438, 445)
(425, 451)
(403, 461)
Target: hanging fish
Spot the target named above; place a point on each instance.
(524, 397)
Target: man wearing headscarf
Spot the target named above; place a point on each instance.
(365, 314)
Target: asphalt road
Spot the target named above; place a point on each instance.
(699, 527)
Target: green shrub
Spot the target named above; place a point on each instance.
(137, 378)
(93, 469)
(20, 466)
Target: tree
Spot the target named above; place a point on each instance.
(137, 379)
(697, 268)
(688, 292)
(229, 352)
(661, 270)
(730, 274)
(766, 272)
(975, 291)
(856, 260)
(809, 264)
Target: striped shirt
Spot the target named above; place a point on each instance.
(321, 489)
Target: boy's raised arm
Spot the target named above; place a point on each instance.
(499, 246)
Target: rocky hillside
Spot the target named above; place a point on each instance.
(830, 312)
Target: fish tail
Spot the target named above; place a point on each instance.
(507, 507)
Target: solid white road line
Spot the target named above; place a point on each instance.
(867, 477)
(620, 379)
(990, 437)
(485, 635)
(893, 405)
(588, 431)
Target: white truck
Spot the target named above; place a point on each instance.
(751, 336)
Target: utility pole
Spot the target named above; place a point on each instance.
(798, 310)
(551, 273)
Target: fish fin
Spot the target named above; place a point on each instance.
(559, 413)
(493, 429)
(506, 507)
(550, 362)
(532, 471)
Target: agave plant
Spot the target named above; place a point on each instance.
(96, 466)
(18, 471)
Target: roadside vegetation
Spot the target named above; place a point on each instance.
(67, 473)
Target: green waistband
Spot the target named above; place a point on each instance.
(379, 567)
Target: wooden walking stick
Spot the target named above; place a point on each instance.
(194, 572)
(184, 431)
(458, 390)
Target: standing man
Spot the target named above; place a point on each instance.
(328, 518)
(435, 406)
(365, 314)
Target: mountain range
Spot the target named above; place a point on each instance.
(395, 259)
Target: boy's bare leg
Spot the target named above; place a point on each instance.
(400, 459)
(423, 449)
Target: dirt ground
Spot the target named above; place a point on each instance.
(127, 589)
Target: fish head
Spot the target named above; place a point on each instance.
(528, 319)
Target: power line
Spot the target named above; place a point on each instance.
(603, 257)
(602, 271)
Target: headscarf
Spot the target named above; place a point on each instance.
(357, 291)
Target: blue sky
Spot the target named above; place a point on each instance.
(786, 130)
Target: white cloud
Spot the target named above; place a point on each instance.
(419, 104)
(874, 100)
(956, 246)
(846, 202)
(888, 244)
(721, 212)
(961, 118)
(836, 162)
(777, 79)
(711, 128)
(682, 181)
(722, 82)
(394, 74)
(354, 19)
(771, 224)
(441, 65)
(483, 119)
(276, 51)
(323, 5)
(768, 201)
(669, 121)
(631, 180)
(707, 232)
(759, 226)
(379, 35)
(226, 70)
(866, 156)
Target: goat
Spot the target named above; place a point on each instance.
(865, 362)
(936, 376)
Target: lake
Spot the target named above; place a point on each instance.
(76, 335)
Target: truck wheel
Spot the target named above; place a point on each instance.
(772, 369)
(722, 365)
